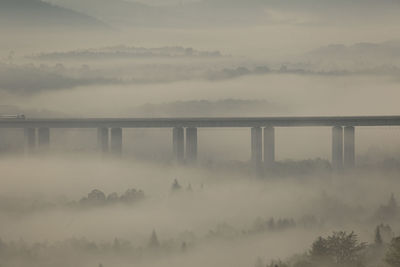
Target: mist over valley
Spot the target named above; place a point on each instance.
(199, 133)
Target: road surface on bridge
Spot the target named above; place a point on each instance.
(202, 122)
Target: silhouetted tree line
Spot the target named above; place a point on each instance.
(31, 79)
(98, 198)
(229, 73)
(340, 249)
(15, 205)
(227, 231)
(343, 249)
(57, 253)
(176, 187)
(273, 225)
(128, 52)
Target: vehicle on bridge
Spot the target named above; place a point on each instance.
(13, 117)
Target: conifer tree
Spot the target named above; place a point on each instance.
(154, 243)
(378, 237)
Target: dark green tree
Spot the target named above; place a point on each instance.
(154, 243)
(320, 249)
(393, 255)
(378, 237)
(183, 247)
(340, 248)
(392, 202)
(175, 186)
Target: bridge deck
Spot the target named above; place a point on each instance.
(201, 122)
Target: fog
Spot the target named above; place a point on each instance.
(73, 205)
(219, 216)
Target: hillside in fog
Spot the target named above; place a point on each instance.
(117, 12)
(189, 14)
(230, 13)
(199, 133)
(28, 13)
(388, 52)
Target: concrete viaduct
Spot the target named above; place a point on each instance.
(109, 132)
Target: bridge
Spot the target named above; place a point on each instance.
(262, 133)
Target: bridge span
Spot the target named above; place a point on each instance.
(184, 140)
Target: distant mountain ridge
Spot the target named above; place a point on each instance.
(389, 50)
(231, 13)
(31, 13)
(131, 13)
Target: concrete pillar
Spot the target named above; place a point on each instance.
(102, 139)
(349, 147)
(191, 144)
(116, 141)
(256, 144)
(337, 147)
(269, 146)
(44, 138)
(30, 139)
(178, 144)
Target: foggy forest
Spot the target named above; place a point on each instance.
(115, 196)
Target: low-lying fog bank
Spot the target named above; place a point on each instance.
(291, 94)
(62, 211)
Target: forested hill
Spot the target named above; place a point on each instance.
(31, 13)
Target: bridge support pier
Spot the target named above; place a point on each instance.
(30, 140)
(178, 144)
(269, 146)
(256, 145)
(337, 147)
(44, 138)
(349, 147)
(191, 144)
(102, 139)
(116, 141)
